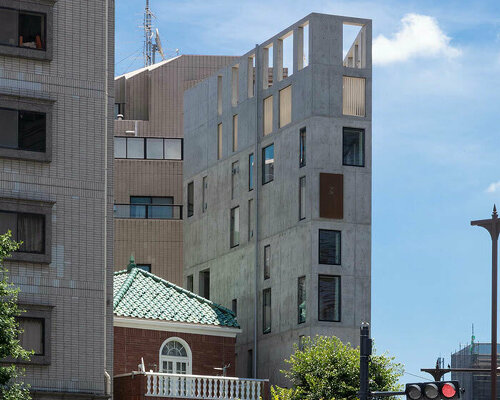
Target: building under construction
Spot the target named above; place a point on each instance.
(477, 385)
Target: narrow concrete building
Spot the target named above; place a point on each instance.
(56, 163)
(148, 161)
(277, 183)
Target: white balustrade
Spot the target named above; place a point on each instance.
(202, 387)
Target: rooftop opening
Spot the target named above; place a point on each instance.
(286, 56)
(303, 46)
(353, 45)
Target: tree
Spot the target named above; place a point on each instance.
(10, 386)
(327, 369)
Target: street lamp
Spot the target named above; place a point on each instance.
(492, 225)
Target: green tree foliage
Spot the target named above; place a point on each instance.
(10, 386)
(327, 369)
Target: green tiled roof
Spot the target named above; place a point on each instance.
(140, 294)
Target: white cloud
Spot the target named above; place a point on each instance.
(419, 36)
(494, 187)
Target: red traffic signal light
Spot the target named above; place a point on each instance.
(449, 390)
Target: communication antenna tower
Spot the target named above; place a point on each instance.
(151, 48)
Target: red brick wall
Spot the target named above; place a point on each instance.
(131, 344)
(129, 387)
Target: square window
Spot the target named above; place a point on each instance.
(172, 149)
(329, 247)
(268, 164)
(329, 298)
(354, 147)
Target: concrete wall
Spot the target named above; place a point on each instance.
(71, 284)
(317, 106)
(153, 99)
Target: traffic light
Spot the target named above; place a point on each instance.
(448, 390)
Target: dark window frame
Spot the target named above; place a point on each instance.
(363, 132)
(190, 201)
(302, 147)
(148, 210)
(232, 225)
(251, 163)
(339, 297)
(234, 307)
(339, 249)
(206, 289)
(31, 207)
(266, 330)
(264, 181)
(304, 293)
(144, 267)
(35, 105)
(302, 205)
(267, 267)
(31, 7)
(190, 283)
(145, 148)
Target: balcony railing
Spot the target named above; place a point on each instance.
(204, 387)
(147, 211)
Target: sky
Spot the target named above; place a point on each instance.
(436, 99)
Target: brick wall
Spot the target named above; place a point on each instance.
(131, 344)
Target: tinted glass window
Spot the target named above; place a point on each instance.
(120, 147)
(329, 298)
(173, 149)
(9, 121)
(302, 148)
(32, 127)
(9, 27)
(32, 337)
(329, 247)
(266, 311)
(144, 267)
(31, 30)
(354, 147)
(25, 227)
(250, 172)
(268, 164)
(154, 149)
(135, 148)
(301, 299)
(190, 199)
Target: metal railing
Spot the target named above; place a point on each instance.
(148, 211)
(203, 387)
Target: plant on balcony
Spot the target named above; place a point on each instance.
(327, 369)
(11, 388)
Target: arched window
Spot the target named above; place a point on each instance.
(175, 356)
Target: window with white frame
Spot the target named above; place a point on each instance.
(175, 357)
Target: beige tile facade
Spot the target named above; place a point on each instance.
(152, 101)
(71, 286)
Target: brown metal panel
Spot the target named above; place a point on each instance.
(331, 196)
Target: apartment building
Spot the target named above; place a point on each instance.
(148, 161)
(56, 148)
(277, 177)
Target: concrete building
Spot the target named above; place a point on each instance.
(148, 161)
(277, 177)
(477, 385)
(56, 147)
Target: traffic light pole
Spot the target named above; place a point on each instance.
(493, 227)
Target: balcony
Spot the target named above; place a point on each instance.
(146, 385)
(147, 211)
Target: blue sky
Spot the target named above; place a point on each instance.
(435, 148)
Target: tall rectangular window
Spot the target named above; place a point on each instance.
(267, 262)
(234, 306)
(303, 46)
(219, 94)
(235, 132)
(235, 170)
(219, 141)
(353, 96)
(302, 197)
(33, 334)
(204, 284)
(266, 311)
(250, 172)
(234, 85)
(190, 199)
(26, 227)
(251, 76)
(250, 219)
(268, 115)
(329, 298)
(331, 195)
(302, 148)
(329, 247)
(204, 193)
(354, 147)
(250, 364)
(268, 164)
(285, 106)
(235, 227)
(301, 299)
(189, 283)
(267, 66)
(23, 130)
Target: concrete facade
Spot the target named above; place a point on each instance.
(320, 101)
(66, 284)
(151, 102)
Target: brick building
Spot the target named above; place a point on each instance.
(56, 148)
(171, 329)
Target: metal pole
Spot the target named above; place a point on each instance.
(365, 350)
(492, 225)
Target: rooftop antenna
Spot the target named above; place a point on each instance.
(157, 47)
(151, 48)
(472, 340)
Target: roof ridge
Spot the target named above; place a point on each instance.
(181, 289)
(125, 286)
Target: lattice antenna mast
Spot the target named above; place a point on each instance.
(148, 36)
